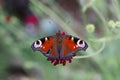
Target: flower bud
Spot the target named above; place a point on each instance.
(90, 28)
(111, 24)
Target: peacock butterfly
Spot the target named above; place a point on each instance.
(59, 48)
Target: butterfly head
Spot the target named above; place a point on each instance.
(59, 33)
(36, 45)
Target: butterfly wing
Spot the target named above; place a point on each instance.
(71, 45)
(59, 48)
(47, 46)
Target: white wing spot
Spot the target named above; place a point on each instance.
(46, 39)
(72, 38)
(74, 46)
(43, 47)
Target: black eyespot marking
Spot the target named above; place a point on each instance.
(70, 37)
(42, 40)
(48, 51)
(48, 38)
(76, 39)
(81, 42)
(37, 42)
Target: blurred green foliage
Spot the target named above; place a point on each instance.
(103, 41)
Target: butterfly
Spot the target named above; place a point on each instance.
(59, 48)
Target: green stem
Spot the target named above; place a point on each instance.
(102, 19)
(116, 8)
(93, 53)
(56, 18)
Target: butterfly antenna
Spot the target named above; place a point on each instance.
(63, 33)
(59, 32)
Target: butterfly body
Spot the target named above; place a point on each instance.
(59, 48)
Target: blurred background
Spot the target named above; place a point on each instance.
(24, 21)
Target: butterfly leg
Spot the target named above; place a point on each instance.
(69, 60)
(52, 60)
(63, 33)
(64, 62)
(61, 60)
(56, 62)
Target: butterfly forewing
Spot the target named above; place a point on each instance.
(48, 47)
(69, 46)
